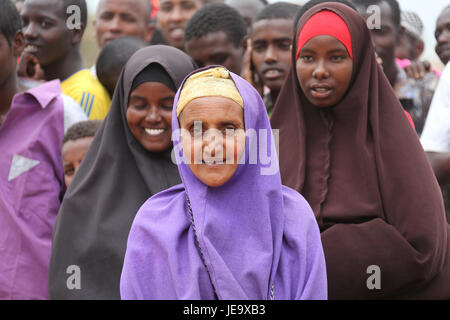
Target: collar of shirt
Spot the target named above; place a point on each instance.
(44, 94)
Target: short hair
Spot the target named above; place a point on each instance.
(113, 58)
(313, 3)
(10, 21)
(395, 8)
(80, 4)
(83, 129)
(278, 10)
(216, 17)
(148, 5)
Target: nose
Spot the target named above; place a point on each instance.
(30, 31)
(115, 25)
(213, 143)
(176, 15)
(320, 71)
(153, 115)
(270, 56)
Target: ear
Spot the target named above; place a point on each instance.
(18, 44)
(419, 47)
(149, 32)
(77, 34)
(243, 43)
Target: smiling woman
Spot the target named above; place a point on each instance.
(228, 231)
(105, 194)
(149, 110)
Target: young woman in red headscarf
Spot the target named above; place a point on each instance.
(346, 145)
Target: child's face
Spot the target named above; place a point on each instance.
(73, 152)
(324, 70)
(271, 56)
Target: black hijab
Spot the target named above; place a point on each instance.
(116, 177)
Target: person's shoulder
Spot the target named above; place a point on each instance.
(295, 206)
(46, 95)
(162, 204)
(89, 93)
(72, 112)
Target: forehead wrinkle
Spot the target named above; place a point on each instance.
(126, 7)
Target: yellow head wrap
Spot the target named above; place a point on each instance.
(211, 82)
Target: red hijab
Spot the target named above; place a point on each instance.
(361, 167)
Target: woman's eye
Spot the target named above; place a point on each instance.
(337, 58)
(306, 58)
(167, 107)
(140, 106)
(69, 172)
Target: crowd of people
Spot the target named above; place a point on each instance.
(223, 149)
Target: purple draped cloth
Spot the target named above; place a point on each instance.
(258, 239)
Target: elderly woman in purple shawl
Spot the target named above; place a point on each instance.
(230, 230)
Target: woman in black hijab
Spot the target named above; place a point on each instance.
(128, 161)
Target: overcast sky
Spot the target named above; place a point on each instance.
(428, 10)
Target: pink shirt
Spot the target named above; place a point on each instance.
(31, 189)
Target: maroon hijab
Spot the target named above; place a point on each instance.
(361, 167)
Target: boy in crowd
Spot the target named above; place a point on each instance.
(113, 58)
(172, 17)
(270, 47)
(32, 126)
(215, 36)
(75, 144)
(52, 45)
(415, 95)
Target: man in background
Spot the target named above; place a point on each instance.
(52, 51)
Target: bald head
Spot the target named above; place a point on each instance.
(118, 18)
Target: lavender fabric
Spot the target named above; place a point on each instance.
(259, 239)
(31, 188)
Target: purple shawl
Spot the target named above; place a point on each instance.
(251, 238)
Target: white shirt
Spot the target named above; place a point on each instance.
(436, 132)
(72, 112)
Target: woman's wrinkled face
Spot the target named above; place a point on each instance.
(149, 115)
(213, 138)
(324, 70)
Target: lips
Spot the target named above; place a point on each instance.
(154, 132)
(176, 32)
(212, 162)
(108, 39)
(443, 50)
(272, 74)
(321, 91)
(31, 48)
